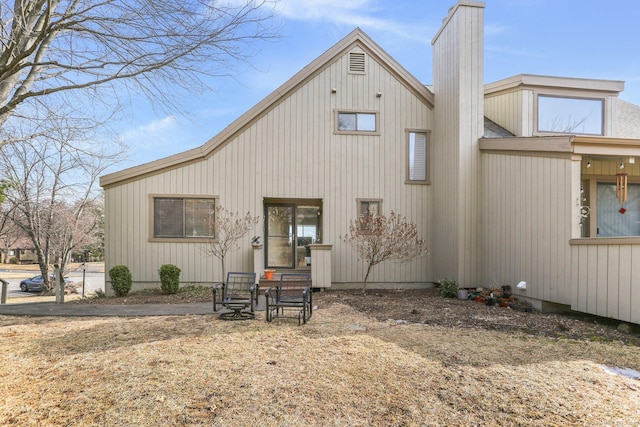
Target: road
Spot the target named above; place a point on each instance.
(93, 276)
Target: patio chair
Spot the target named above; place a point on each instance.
(292, 294)
(238, 293)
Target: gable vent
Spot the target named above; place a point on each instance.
(356, 62)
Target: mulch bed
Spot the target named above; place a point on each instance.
(427, 307)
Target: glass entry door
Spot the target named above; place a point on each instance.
(290, 229)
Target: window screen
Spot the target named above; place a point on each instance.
(181, 217)
(168, 218)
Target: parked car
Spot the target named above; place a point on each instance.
(35, 283)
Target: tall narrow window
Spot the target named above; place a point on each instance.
(417, 171)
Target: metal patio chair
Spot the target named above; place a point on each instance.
(238, 293)
(292, 294)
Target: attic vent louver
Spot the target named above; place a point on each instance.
(356, 62)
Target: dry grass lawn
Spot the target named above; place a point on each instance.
(341, 369)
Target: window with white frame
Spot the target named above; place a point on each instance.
(356, 122)
(558, 114)
(183, 217)
(418, 151)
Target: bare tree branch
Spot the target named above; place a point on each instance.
(54, 194)
(378, 238)
(227, 228)
(53, 46)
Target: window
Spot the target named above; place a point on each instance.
(417, 149)
(612, 220)
(350, 122)
(176, 217)
(570, 115)
(367, 211)
(368, 207)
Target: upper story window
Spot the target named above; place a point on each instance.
(356, 122)
(417, 159)
(183, 217)
(558, 114)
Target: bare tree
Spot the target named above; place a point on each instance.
(75, 227)
(378, 238)
(80, 47)
(227, 228)
(53, 192)
(9, 233)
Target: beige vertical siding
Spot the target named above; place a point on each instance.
(290, 151)
(606, 281)
(458, 87)
(529, 218)
(512, 110)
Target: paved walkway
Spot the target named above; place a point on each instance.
(39, 309)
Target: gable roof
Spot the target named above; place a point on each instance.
(356, 38)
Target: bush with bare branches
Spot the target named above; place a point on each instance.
(227, 228)
(378, 238)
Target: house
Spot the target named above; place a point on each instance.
(21, 251)
(513, 181)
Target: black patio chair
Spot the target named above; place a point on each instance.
(292, 294)
(238, 293)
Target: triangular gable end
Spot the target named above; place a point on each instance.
(357, 38)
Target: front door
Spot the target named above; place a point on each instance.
(290, 227)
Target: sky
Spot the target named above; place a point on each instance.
(569, 38)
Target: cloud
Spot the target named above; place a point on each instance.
(150, 134)
(494, 29)
(348, 13)
(314, 10)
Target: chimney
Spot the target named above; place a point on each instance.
(458, 84)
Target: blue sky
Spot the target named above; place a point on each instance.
(572, 38)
